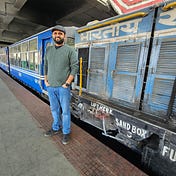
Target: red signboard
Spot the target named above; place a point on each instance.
(126, 6)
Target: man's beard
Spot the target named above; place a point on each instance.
(61, 41)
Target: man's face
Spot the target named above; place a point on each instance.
(58, 37)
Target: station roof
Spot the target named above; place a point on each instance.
(22, 18)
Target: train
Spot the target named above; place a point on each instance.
(24, 60)
(126, 83)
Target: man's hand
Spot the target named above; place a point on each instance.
(47, 84)
(66, 85)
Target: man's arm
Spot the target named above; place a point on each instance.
(73, 67)
(46, 70)
(68, 81)
(46, 80)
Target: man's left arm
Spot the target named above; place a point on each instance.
(73, 67)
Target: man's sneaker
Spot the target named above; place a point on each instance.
(51, 132)
(65, 139)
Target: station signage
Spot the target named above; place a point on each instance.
(127, 6)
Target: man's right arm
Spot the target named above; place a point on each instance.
(46, 80)
(46, 70)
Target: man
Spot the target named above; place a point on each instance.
(60, 67)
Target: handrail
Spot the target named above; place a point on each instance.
(80, 77)
(138, 14)
(167, 7)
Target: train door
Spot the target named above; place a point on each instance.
(160, 98)
(84, 54)
(129, 72)
(161, 78)
(97, 70)
(45, 42)
(95, 63)
(8, 61)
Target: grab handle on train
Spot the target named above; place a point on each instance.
(80, 77)
(113, 21)
(169, 6)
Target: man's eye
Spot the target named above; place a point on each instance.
(57, 33)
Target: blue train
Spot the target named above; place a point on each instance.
(24, 60)
(126, 84)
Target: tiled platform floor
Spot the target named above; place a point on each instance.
(89, 156)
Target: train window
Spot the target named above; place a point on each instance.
(2, 55)
(15, 49)
(125, 58)
(12, 59)
(70, 41)
(125, 73)
(33, 45)
(97, 70)
(12, 55)
(160, 100)
(15, 58)
(19, 48)
(33, 55)
(32, 61)
(1, 51)
(36, 61)
(24, 47)
(166, 61)
(19, 59)
(24, 60)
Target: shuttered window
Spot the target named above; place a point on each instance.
(125, 74)
(161, 80)
(97, 71)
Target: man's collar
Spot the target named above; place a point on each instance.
(58, 46)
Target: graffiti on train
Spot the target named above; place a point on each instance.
(131, 129)
(111, 31)
(99, 110)
(168, 18)
(169, 152)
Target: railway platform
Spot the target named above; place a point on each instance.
(24, 151)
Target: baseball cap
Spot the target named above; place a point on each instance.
(59, 28)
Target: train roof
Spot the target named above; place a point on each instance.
(70, 32)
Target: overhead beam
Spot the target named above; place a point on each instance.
(19, 3)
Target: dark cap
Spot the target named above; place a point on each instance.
(58, 28)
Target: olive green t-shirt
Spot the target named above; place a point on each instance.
(59, 63)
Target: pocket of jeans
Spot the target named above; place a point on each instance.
(47, 87)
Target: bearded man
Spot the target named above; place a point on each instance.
(60, 67)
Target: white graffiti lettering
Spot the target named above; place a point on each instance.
(169, 18)
(131, 129)
(111, 31)
(102, 108)
(170, 152)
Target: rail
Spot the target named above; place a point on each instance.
(80, 77)
(106, 23)
(167, 7)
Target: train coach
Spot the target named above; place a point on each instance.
(24, 60)
(126, 85)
